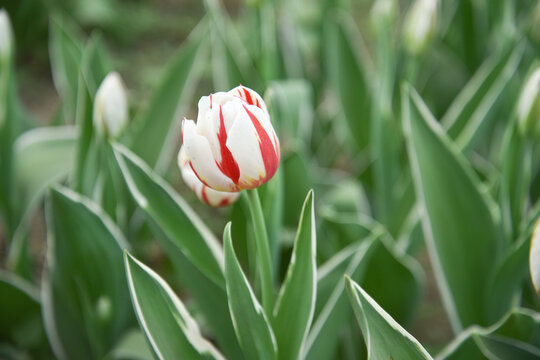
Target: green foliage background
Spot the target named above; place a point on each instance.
(415, 237)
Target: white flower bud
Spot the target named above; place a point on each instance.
(6, 35)
(111, 107)
(534, 257)
(383, 13)
(420, 25)
(528, 109)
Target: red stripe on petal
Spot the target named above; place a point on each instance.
(224, 202)
(205, 196)
(249, 99)
(228, 166)
(197, 175)
(269, 155)
(210, 101)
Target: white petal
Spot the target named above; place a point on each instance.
(264, 120)
(244, 146)
(110, 107)
(204, 193)
(219, 198)
(534, 259)
(204, 164)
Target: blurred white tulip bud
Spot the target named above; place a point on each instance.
(383, 13)
(207, 195)
(528, 109)
(534, 257)
(111, 107)
(420, 25)
(6, 35)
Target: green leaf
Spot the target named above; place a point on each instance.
(20, 311)
(66, 52)
(252, 327)
(463, 238)
(295, 305)
(172, 214)
(84, 173)
(297, 176)
(85, 296)
(95, 62)
(515, 337)
(516, 156)
(401, 295)
(384, 337)
(506, 280)
(231, 63)
(132, 346)
(193, 249)
(168, 326)
(154, 128)
(42, 156)
(472, 107)
(332, 312)
(291, 109)
(344, 54)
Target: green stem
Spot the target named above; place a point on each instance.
(263, 251)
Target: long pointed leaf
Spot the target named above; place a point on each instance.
(295, 305)
(384, 337)
(85, 296)
(459, 228)
(169, 328)
(252, 327)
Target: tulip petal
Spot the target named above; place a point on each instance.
(534, 257)
(250, 96)
(244, 146)
(202, 161)
(270, 153)
(209, 196)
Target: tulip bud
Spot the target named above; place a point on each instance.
(6, 35)
(383, 13)
(528, 109)
(204, 193)
(110, 107)
(233, 146)
(420, 25)
(534, 257)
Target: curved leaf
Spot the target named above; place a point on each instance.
(169, 328)
(85, 296)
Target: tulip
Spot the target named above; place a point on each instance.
(111, 107)
(204, 193)
(233, 146)
(6, 36)
(420, 25)
(528, 109)
(534, 258)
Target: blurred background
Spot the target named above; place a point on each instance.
(331, 71)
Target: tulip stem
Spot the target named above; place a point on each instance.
(263, 251)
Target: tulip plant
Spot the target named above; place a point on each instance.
(353, 199)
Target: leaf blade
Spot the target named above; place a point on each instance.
(295, 305)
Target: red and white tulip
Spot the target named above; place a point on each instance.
(204, 193)
(233, 145)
